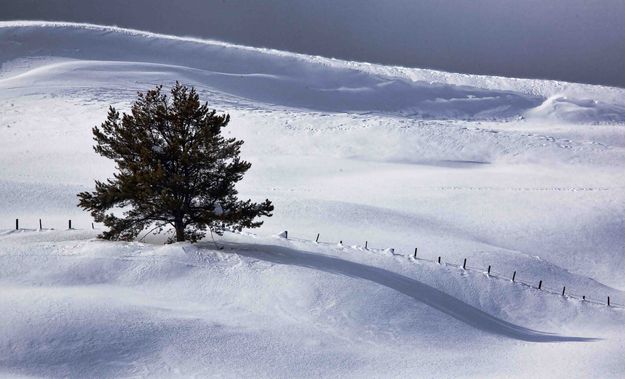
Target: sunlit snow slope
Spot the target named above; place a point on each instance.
(522, 175)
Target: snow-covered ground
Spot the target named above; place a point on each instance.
(523, 175)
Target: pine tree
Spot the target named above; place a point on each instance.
(174, 168)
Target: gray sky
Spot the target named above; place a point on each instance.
(573, 40)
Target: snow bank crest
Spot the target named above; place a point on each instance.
(293, 80)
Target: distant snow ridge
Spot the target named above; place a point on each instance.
(294, 80)
(578, 110)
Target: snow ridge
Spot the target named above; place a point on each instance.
(302, 81)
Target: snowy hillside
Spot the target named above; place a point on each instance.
(522, 175)
(290, 80)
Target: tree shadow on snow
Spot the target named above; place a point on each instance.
(421, 292)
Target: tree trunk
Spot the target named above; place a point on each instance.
(179, 231)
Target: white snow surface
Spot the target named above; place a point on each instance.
(523, 175)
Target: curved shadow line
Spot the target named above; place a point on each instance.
(436, 299)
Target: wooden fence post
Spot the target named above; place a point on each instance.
(366, 243)
(17, 224)
(540, 284)
(40, 225)
(92, 226)
(317, 239)
(608, 301)
(513, 276)
(563, 289)
(415, 253)
(488, 269)
(70, 224)
(464, 264)
(439, 260)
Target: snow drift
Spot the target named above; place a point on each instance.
(268, 309)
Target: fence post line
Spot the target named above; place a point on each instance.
(439, 260)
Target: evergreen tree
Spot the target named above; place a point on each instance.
(173, 168)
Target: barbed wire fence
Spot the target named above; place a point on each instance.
(488, 271)
(69, 225)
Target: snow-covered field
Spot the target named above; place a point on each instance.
(522, 175)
